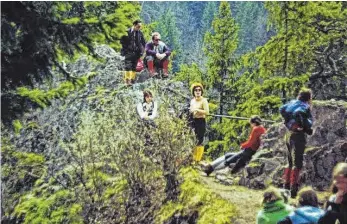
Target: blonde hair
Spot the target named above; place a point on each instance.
(339, 169)
(156, 34)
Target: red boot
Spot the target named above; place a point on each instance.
(166, 68)
(150, 65)
(286, 178)
(294, 182)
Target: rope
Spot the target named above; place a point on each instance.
(238, 118)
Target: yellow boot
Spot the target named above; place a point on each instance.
(195, 153)
(200, 152)
(133, 77)
(127, 77)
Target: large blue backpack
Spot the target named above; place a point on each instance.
(290, 111)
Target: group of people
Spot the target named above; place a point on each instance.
(297, 118)
(276, 210)
(134, 46)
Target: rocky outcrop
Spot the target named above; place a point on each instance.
(325, 148)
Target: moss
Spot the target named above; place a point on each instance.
(32, 125)
(71, 21)
(195, 196)
(17, 125)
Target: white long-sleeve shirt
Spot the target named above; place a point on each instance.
(151, 109)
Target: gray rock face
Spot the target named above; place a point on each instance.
(325, 148)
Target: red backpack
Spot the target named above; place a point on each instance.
(139, 65)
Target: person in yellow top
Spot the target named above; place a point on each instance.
(199, 109)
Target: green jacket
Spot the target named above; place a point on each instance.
(273, 212)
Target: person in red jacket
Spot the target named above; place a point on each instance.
(248, 149)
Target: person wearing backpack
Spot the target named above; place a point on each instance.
(298, 120)
(133, 47)
(157, 55)
(199, 109)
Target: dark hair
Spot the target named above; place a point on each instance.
(136, 22)
(305, 95)
(146, 93)
(255, 119)
(307, 197)
(271, 194)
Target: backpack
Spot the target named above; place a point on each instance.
(291, 111)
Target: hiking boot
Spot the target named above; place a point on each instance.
(286, 186)
(294, 190)
(208, 170)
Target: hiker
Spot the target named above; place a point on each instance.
(298, 120)
(199, 109)
(308, 210)
(133, 46)
(336, 207)
(148, 111)
(274, 208)
(157, 55)
(248, 149)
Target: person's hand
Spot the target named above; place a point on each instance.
(163, 55)
(146, 117)
(339, 196)
(158, 55)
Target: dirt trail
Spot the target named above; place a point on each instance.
(246, 200)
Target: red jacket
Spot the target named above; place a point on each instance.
(253, 141)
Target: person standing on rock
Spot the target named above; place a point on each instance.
(133, 47)
(298, 120)
(148, 111)
(248, 149)
(337, 205)
(199, 109)
(308, 210)
(157, 55)
(274, 208)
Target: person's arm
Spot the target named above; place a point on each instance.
(253, 138)
(205, 110)
(143, 41)
(149, 51)
(154, 112)
(140, 111)
(167, 50)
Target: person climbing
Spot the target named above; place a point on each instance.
(148, 111)
(298, 120)
(133, 45)
(199, 109)
(336, 207)
(274, 208)
(308, 210)
(248, 149)
(157, 55)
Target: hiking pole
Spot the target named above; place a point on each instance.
(237, 118)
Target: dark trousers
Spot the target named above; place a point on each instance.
(241, 159)
(199, 125)
(296, 143)
(130, 60)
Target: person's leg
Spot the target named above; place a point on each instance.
(165, 63)
(299, 141)
(288, 169)
(150, 65)
(219, 163)
(127, 67)
(134, 61)
(245, 157)
(233, 159)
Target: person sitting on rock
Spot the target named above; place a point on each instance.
(148, 111)
(336, 207)
(248, 149)
(308, 210)
(274, 208)
(157, 54)
(298, 120)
